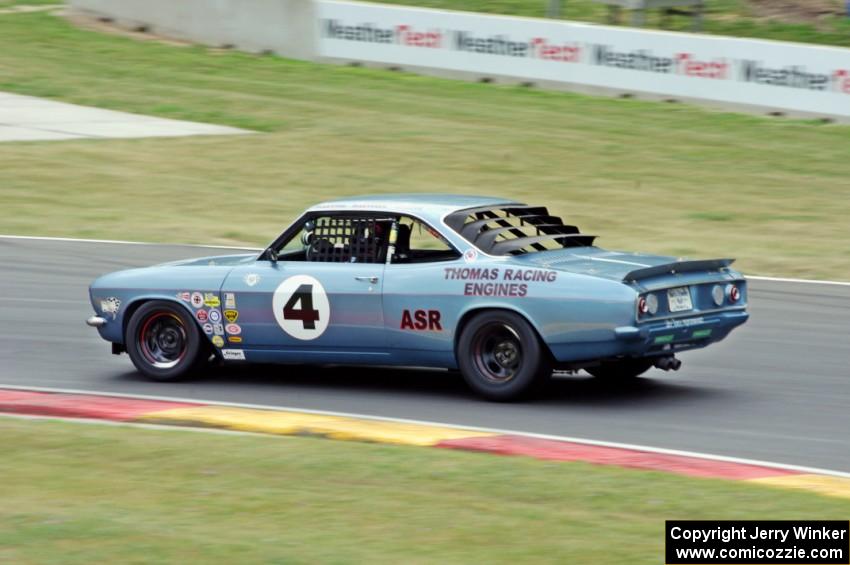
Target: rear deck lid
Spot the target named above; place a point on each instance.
(617, 265)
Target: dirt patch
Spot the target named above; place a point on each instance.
(111, 27)
(796, 11)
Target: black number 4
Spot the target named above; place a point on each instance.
(307, 314)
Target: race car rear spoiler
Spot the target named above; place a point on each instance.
(677, 267)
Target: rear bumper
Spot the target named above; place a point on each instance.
(678, 334)
(663, 337)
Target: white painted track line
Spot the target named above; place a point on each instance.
(796, 281)
(584, 441)
(122, 242)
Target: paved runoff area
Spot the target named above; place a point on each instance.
(351, 428)
(27, 118)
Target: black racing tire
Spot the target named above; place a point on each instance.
(164, 342)
(500, 356)
(621, 370)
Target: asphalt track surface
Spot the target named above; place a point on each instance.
(778, 389)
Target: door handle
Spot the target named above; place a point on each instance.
(372, 280)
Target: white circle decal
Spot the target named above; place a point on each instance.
(197, 299)
(301, 307)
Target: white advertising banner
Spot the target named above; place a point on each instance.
(791, 76)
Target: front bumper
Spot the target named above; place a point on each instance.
(96, 321)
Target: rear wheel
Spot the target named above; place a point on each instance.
(164, 342)
(501, 357)
(621, 369)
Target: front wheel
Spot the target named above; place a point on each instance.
(501, 357)
(621, 369)
(163, 341)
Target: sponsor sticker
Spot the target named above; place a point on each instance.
(184, 296)
(218, 329)
(211, 300)
(233, 354)
(217, 341)
(301, 308)
(229, 300)
(110, 306)
(471, 255)
(231, 316)
(208, 329)
(234, 339)
(201, 315)
(197, 299)
(251, 279)
(234, 329)
(215, 316)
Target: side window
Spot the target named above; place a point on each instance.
(339, 239)
(417, 242)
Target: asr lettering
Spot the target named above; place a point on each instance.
(421, 320)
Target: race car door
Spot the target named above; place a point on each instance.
(419, 313)
(320, 300)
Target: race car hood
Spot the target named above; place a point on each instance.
(213, 261)
(173, 275)
(615, 265)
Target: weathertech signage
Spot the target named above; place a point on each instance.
(744, 71)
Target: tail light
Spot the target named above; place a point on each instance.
(642, 306)
(718, 294)
(733, 293)
(652, 303)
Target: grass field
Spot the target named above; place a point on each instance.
(797, 21)
(76, 493)
(644, 176)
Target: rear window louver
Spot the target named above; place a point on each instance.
(516, 229)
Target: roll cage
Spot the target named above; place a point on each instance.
(361, 236)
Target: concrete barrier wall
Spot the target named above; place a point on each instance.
(285, 27)
(736, 73)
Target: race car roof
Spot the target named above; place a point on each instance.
(430, 207)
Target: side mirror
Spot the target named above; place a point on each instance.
(271, 255)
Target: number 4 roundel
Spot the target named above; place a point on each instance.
(301, 307)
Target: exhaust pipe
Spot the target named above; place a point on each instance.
(669, 363)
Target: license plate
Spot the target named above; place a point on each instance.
(679, 299)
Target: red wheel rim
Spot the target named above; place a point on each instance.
(163, 340)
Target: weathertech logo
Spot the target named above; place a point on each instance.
(535, 48)
(402, 34)
(686, 64)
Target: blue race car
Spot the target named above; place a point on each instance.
(502, 291)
